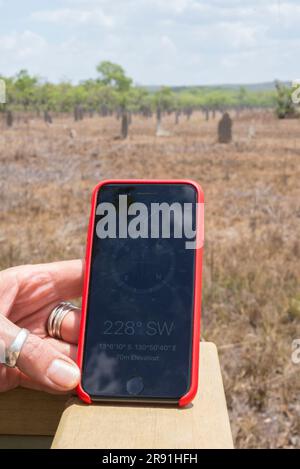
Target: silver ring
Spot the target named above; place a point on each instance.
(12, 352)
(57, 316)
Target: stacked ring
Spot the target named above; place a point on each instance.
(57, 316)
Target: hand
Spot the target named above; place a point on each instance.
(27, 296)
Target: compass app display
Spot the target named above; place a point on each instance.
(138, 338)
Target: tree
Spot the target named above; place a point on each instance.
(140, 100)
(25, 89)
(113, 75)
(164, 99)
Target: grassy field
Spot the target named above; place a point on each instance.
(251, 297)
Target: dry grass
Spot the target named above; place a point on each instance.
(251, 305)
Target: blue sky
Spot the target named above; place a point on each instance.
(173, 42)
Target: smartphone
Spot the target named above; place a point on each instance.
(140, 323)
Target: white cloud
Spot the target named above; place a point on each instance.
(68, 16)
(167, 44)
(176, 6)
(21, 45)
(228, 36)
(158, 41)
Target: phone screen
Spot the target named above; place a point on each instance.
(138, 336)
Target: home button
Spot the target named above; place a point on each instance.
(135, 385)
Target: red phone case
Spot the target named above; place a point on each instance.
(188, 397)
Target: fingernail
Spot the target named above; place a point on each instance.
(63, 374)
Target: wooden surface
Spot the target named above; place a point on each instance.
(203, 424)
(25, 412)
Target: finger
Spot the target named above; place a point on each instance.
(31, 287)
(48, 366)
(40, 361)
(28, 383)
(11, 378)
(70, 327)
(70, 350)
(67, 278)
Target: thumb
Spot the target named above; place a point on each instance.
(41, 362)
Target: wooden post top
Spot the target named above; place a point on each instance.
(203, 424)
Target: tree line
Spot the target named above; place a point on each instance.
(114, 92)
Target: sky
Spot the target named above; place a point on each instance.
(170, 42)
